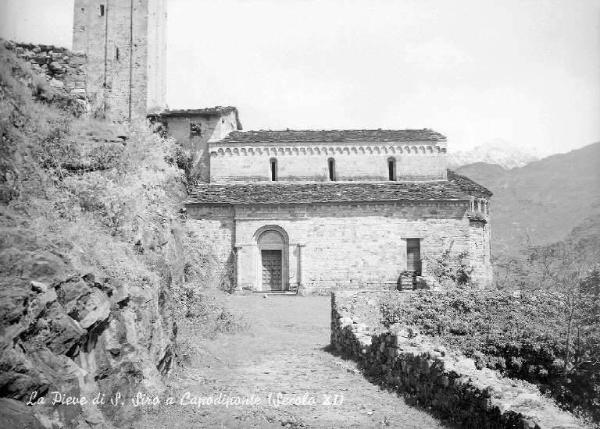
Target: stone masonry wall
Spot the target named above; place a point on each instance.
(212, 128)
(156, 86)
(124, 43)
(309, 161)
(61, 68)
(338, 245)
(444, 381)
(351, 245)
(480, 251)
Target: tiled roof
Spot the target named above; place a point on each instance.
(326, 136)
(206, 111)
(469, 186)
(324, 192)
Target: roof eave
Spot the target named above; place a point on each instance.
(206, 112)
(244, 203)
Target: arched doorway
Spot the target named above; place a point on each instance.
(272, 259)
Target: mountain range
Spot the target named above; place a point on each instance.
(497, 152)
(543, 201)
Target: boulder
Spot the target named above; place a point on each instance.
(41, 58)
(55, 83)
(55, 67)
(43, 267)
(70, 291)
(13, 302)
(39, 286)
(15, 414)
(19, 376)
(95, 309)
(62, 332)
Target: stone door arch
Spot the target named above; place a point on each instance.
(273, 257)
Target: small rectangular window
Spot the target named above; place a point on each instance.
(413, 255)
(391, 169)
(101, 10)
(195, 129)
(273, 170)
(331, 166)
(117, 54)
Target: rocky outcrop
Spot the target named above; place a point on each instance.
(62, 70)
(89, 259)
(74, 335)
(434, 377)
(16, 414)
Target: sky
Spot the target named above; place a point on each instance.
(524, 73)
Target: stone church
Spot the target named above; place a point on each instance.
(292, 210)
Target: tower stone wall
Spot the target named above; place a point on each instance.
(125, 45)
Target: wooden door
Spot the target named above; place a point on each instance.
(271, 269)
(413, 255)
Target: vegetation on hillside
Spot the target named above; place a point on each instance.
(90, 236)
(97, 264)
(103, 194)
(540, 324)
(548, 337)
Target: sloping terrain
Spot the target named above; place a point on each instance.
(543, 201)
(90, 254)
(283, 355)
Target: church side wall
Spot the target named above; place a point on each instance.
(480, 252)
(358, 245)
(303, 162)
(347, 246)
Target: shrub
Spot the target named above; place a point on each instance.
(211, 313)
(451, 268)
(524, 335)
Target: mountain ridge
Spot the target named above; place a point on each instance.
(496, 152)
(541, 202)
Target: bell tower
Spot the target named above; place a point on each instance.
(125, 46)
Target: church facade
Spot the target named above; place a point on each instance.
(313, 211)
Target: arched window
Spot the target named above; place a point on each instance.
(273, 169)
(392, 168)
(331, 166)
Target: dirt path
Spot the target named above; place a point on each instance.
(283, 355)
